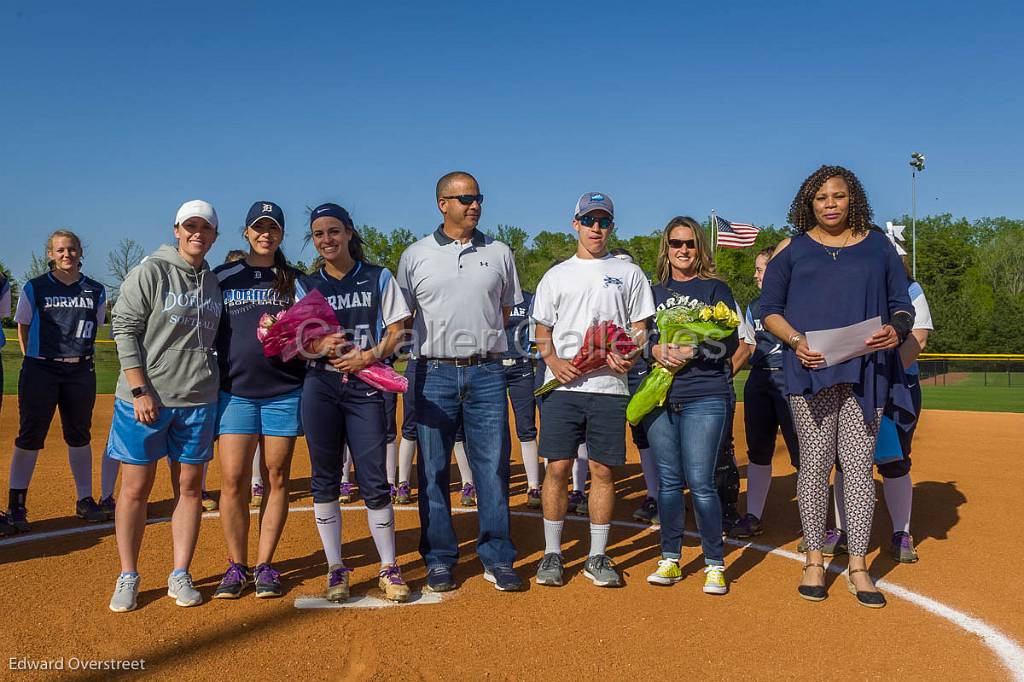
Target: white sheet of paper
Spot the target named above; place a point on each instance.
(841, 344)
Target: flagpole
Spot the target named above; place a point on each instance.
(714, 234)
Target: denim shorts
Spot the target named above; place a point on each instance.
(574, 417)
(276, 416)
(185, 434)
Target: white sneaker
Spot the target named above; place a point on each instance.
(126, 593)
(180, 587)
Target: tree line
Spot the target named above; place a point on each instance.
(972, 272)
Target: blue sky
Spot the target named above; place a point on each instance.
(113, 114)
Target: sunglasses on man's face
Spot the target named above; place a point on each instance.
(680, 243)
(467, 199)
(589, 220)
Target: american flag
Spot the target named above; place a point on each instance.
(735, 235)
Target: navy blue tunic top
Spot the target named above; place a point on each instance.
(710, 372)
(813, 291)
(767, 347)
(63, 318)
(244, 369)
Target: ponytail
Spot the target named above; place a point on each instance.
(284, 282)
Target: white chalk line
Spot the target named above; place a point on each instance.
(1009, 652)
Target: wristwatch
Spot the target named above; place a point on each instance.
(795, 339)
(139, 391)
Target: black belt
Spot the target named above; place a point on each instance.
(464, 362)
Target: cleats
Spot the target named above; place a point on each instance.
(256, 496)
(902, 548)
(346, 493)
(468, 495)
(209, 502)
(18, 517)
(576, 498)
(533, 498)
(403, 494)
(835, 543)
(392, 585)
(87, 510)
(108, 506)
(747, 527)
(647, 511)
(337, 583)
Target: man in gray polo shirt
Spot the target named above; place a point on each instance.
(461, 285)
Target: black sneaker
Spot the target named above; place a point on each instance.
(234, 581)
(505, 578)
(87, 509)
(747, 527)
(268, 581)
(6, 527)
(439, 579)
(647, 511)
(108, 506)
(18, 517)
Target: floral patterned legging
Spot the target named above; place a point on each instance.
(831, 424)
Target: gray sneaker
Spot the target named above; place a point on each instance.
(180, 587)
(550, 570)
(601, 571)
(126, 593)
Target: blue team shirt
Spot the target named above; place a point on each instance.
(5, 290)
(517, 331)
(63, 319)
(355, 299)
(244, 370)
(767, 347)
(710, 372)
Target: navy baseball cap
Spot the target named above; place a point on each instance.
(332, 211)
(594, 201)
(265, 209)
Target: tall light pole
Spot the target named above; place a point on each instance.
(917, 163)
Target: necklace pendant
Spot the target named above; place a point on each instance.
(835, 254)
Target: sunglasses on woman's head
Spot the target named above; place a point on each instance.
(467, 199)
(589, 220)
(680, 243)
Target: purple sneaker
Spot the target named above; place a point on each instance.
(346, 493)
(404, 494)
(391, 583)
(468, 495)
(337, 583)
(234, 581)
(576, 498)
(902, 548)
(268, 582)
(533, 498)
(393, 492)
(256, 496)
(835, 542)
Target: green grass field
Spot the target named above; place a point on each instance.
(962, 391)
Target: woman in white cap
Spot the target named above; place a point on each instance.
(165, 324)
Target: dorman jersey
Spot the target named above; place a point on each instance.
(767, 348)
(244, 370)
(63, 319)
(518, 331)
(365, 300)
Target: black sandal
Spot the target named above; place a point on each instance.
(871, 599)
(813, 592)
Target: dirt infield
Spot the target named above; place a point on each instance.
(967, 473)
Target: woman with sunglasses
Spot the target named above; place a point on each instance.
(58, 316)
(259, 402)
(338, 407)
(686, 433)
(836, 272)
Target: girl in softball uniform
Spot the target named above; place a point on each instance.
(337, 407)
(58, 316)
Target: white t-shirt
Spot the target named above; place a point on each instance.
(576, 293)
(922, 313)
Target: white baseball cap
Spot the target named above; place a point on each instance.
(197, 208)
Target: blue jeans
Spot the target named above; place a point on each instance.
(685, 438)
(447, 397)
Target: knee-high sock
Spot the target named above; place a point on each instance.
(899, 497)
(23, 464)
(406, 450)
(346, 465)
(465, 473)
(391, 460)
(650, 469)
(579, 468)
(108, 476)
(839, 500)
(531, 463)
(382, 529)
(328, 524)
(80, 459)
(759, 480)
(257, 477)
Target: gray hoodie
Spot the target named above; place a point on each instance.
(165, 321)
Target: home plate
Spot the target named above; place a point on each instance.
(366, 602)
